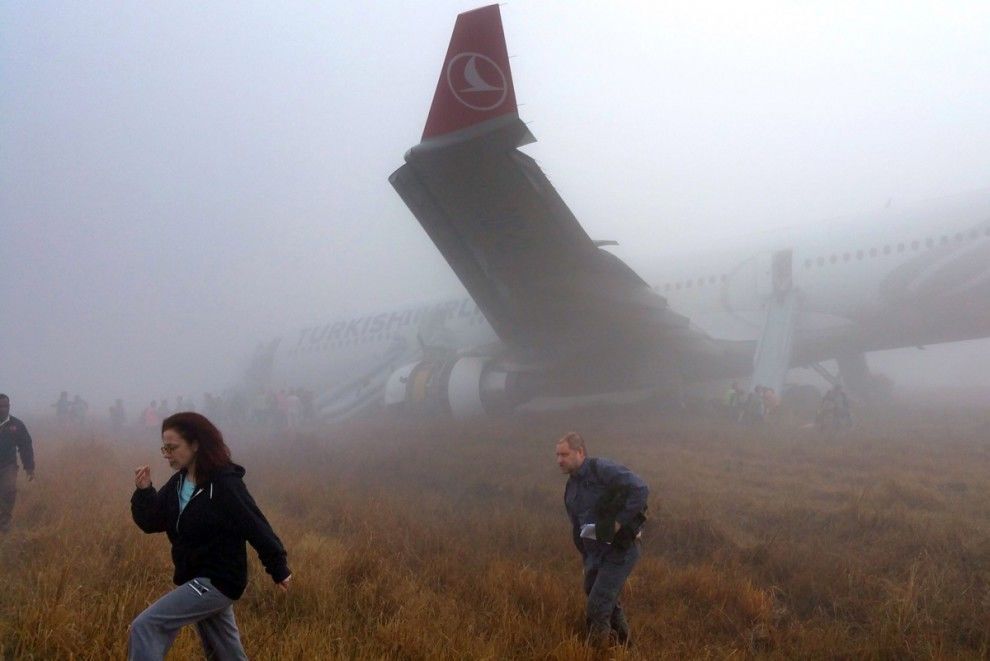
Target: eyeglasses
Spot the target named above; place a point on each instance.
(169, 449)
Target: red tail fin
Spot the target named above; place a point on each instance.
(475, 84)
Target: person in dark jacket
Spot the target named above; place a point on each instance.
(208, 515)
(606, 503)
(14, 440)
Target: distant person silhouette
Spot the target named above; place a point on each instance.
(834, 413)
(62, 406)
(149, 417)
(118, 418)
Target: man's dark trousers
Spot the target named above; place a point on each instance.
(604, 577)
(8, 491)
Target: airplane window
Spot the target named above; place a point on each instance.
(701, 282)
(666, 287)
(859, 254)
(711, 280)
(930, 242)
(677, 286)
(959, 236)
(900, 247)
(725, 278)
(873, 252)
(833, 259)
(973, 234)
(986, 232)
(886, 250)
(807, 263)
(915, 245)
(689, 283)
(821, 261)
(845, 257)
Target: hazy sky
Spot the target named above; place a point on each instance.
(181, 180)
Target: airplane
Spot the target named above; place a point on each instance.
(551, 313)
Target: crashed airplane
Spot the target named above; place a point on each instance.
(551, 313)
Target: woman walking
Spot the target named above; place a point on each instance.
(208, 514)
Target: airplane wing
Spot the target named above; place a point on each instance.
(540, 280)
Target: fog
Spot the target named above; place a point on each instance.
(179, 182)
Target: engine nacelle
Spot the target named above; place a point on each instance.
(461, 387)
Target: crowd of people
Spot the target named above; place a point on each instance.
(762, 405)
(759, 405)
(266, 410)
(292, 409)
(70, 413)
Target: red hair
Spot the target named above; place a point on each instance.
(212, 454)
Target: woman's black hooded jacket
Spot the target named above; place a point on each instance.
(208, 536)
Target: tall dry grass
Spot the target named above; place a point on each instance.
(421, 540)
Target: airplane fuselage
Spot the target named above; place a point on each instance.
(888, 280)
(893, 279)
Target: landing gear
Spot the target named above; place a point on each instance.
(855, 376)
(864, 385)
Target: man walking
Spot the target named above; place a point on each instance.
(14, 439)
(606, 503)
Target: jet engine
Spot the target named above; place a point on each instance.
(460, 387)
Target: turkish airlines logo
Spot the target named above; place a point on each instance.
(476, 81)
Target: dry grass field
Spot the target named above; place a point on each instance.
(423, 540)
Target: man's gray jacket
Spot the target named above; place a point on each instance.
(584, 494)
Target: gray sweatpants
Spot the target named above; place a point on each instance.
(194, 602)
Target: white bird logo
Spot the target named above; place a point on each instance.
(476, 83)
(474, 79)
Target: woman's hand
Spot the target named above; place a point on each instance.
(284, 585)
(142, 477)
